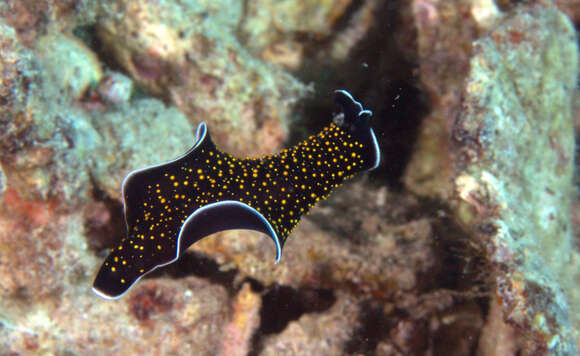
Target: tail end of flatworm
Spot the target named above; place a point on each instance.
(114, 280)
(109, 286)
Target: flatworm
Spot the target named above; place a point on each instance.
(170, 206)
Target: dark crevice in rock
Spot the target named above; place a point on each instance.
(373, 327)
(104, 221)
(381, 76)
(346, 211)
(89, 35)
(509, 5)
(465, 262)
(287, 304)
(201, 266)
(398, 129)
(460, 334)
(255, 285)
(283, 304)
(240, 34)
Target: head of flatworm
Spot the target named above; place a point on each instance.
(356, 121)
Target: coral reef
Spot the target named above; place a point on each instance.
(461, 243)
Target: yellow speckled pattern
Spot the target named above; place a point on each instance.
(160, 200)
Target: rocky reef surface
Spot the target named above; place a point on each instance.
(463, 242)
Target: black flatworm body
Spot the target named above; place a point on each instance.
(170, 206)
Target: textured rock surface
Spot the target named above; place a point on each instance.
(237, 336)
(70, 64)
(516, 155)
(272, 29)
(183, 316)
(445, 32)
(187, 52)
(62, 142)
(14, 64)
(30, 19)
(41, 252)
(134, 136)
